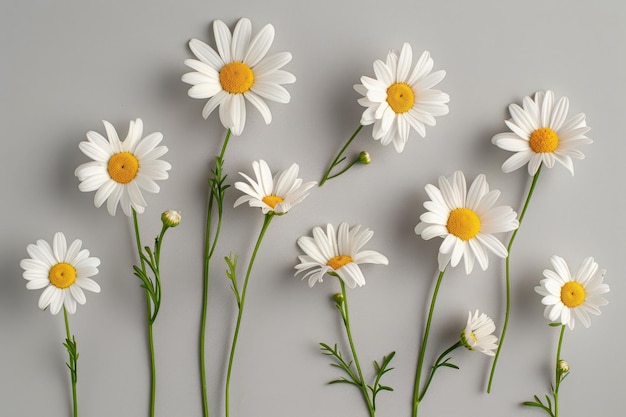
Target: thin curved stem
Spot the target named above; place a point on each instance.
(209, 248)
(436, 366)
(558, 373)
(420, 358)
(508, 280)
(346, 321)
(266, 223)
(338, 159)
(73, 359)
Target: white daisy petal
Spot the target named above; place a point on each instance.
(478, 334)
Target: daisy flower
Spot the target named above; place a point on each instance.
(120, 170)
(63, 271)
(337, 252)
(239, 70)
(542, 133)
(276, 194)
(478, 334)
(570, 297)
(399, 99)
(466, 220)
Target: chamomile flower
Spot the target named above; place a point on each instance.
(399, 99)
(466, 220)
(63, 271)
(568, 297)
(240, 70)
(478, 334)
(276, 194)
(120, 170)
(337, 252)
(542, 133)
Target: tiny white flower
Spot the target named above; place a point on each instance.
(478, 334)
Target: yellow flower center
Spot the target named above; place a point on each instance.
(400, 97)
(544, 140)
(123, 167)
(62, 275)
(463, 223)
(272, 200)
(573, 294)
(339, 261)
(236, 77)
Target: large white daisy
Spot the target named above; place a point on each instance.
(277, 194)
(337, 252)
(542, 133)
(478, 334)
(240, 70)
(574, 297)
(120, 170)
(399, 99)
(466, 220)
(63, 271)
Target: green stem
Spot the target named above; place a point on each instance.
(558, 373)
(346, 322)
(209, 248)
(148, 315)
(73, 358)
(266, 223)
(436, 366)
(339, 158)
(420, 359)
(508, 280)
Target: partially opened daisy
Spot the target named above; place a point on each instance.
(239, 70)
(399, 98)
(121, 170)
(572, 297)
(273, 194)
(466, 220)
(478, 334)
(542, 133)
(337, 251)
(65, 273)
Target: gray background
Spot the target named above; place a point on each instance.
(66, 65)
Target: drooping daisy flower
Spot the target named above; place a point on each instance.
(120, 170)
(399, 99)
(276, 194)
(63, 271)
(466, 220)
(570, 297)
(337, 252)
(240, 70)
(478, 334)
(541, 133)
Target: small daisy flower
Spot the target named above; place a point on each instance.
(478, 334)
(399, 99)
(466, 221)
(240, 70)
(337, 252)
(570, 297)
(63, 271)
(542, 133)
(276, 194)
(120, 170)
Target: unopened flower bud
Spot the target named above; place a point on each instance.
(364, 158)
(171, 218)
(338, 297)
(563, 366)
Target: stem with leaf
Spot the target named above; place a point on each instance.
(241, 299)
(72, 352)
(217, 188)
(441, 361)
(508, 279)
(340, 158)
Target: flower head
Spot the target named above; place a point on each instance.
(120, 170)
(570, 297)
(63, 271)
(337, 252)
(466, 220)
(478, 334)
(239, 70)
(171, 218)
(541, 133)
(276, 194)
(399, 99)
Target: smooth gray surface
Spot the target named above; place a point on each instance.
(66, 65)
